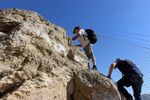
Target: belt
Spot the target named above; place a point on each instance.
(140, 75)
(134, 74)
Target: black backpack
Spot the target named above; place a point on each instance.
(91, 36)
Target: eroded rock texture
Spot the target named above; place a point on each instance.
(39, 62)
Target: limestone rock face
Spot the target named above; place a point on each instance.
(92, 85)
(39, 62)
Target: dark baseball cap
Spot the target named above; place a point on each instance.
(78, 27)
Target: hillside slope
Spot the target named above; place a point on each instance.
(39, 62)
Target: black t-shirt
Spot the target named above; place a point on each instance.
(127, 67)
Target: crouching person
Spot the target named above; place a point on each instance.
(132, 76)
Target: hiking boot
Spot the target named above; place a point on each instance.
(130, 98)
(94, 67)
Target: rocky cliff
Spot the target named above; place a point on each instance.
(39, 62)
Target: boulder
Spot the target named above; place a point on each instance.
(39, 62)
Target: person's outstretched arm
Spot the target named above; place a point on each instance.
(112, 66)
(75, 37)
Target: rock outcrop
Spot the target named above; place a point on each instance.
(39, 62)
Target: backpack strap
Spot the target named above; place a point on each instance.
(84, 37)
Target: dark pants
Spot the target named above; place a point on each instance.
(133, 80)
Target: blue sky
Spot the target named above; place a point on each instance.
(123, 27)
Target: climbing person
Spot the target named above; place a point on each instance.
(85, 43)
(132, 76)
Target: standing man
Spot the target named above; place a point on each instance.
(132, 76)
(85, 44)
